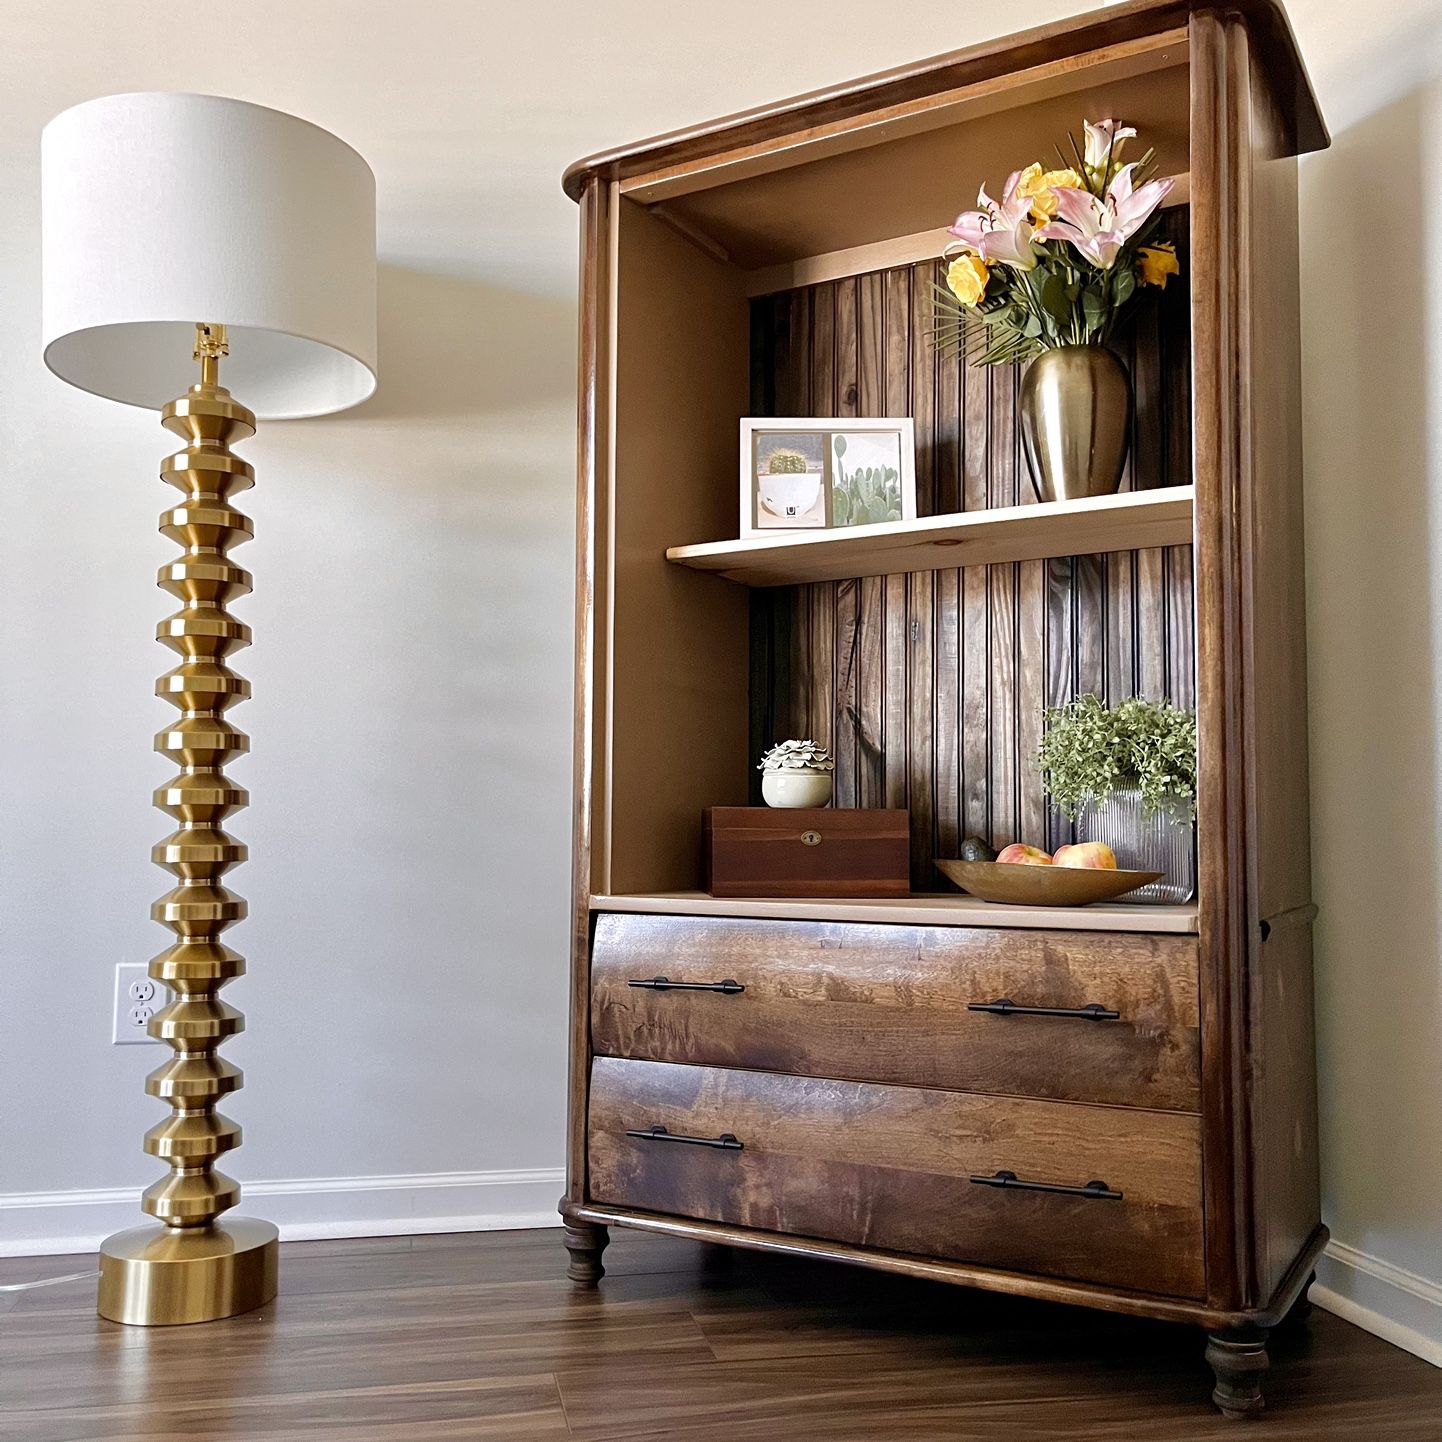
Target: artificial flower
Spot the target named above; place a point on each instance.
(1037, 185)
(1104, 141)
(999, 231)
(966, 278)
(1099, 228)
(1157, 262)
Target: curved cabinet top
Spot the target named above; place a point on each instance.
(909, 84)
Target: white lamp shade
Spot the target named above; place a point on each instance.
(163, 210)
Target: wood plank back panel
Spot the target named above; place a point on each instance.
(889, 1004)
(929, 687)
(891, 1167)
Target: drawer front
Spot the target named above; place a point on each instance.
(893, 1168)
(891, 1004)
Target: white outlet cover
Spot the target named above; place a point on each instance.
(137, 999)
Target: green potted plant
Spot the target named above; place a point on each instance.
(796, 773)
(1127, 774)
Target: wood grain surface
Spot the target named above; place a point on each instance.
(805, 851)
(479, 1336)
(781, 123)
(889, 1004)
(929, 687)
(1254, 882)
(890, 1167)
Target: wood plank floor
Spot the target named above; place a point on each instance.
(479, 1336)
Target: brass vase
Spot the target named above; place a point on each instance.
(1076, 410)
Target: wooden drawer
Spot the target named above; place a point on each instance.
(892, 1167)
(890, 1004)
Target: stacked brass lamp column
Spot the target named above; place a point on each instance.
(190, 1268)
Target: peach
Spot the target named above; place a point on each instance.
(1087, 853)
(1018, 855)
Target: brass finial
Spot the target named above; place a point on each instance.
(210, 341)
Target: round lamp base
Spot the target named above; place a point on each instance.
(154, 1276)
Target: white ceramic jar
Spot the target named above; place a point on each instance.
(796, 788)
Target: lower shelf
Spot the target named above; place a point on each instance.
(918, 910)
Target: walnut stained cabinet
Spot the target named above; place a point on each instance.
(1136, 1130)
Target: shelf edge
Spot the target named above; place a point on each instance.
(940, 910)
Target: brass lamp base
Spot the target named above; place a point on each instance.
(190, 1268)
(153, 1276)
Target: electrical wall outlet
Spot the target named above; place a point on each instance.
(137, 999)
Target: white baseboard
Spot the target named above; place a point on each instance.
(38, 1224)
(1398, 1306)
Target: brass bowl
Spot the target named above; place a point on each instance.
(1043, 885)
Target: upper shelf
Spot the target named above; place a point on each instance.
(1132, 521)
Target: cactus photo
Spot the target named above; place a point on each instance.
(790, 480)
(865, 478)
(808, 474)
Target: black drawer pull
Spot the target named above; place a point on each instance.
(726, 1141)
(1005, 1006)
(1098, 1190)
(661, 983)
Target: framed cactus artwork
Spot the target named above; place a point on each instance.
(805, 474)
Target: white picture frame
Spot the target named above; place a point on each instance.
(822, 484)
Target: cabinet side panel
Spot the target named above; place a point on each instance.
(678, 735)
(1283, 1057)
(593, 418)
(1276, 576)
(1258, 1069)
(1219, 110)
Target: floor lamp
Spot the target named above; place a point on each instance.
(186, 235)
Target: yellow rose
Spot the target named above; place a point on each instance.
(1157, 262)
(966, 277)
(1037, 185)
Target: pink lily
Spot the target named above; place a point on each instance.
(1104, 141)
(999, 232)
(1100, 228)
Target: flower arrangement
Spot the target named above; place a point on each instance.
(1089, 750)
(797, 756)
(1059, 259)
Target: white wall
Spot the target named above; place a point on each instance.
(1372, 338)
(411, 723)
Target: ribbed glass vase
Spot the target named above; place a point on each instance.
(1160, 842)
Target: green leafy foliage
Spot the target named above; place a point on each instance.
(1089, 750)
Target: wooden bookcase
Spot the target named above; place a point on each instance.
(781, 262)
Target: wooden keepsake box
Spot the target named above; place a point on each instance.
(821, 852)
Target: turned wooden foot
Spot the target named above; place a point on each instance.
(1239, 1358)
(585, 1242)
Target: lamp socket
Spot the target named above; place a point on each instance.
(137, 998)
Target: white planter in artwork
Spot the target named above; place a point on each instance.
(790, 495)
(796, 788)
